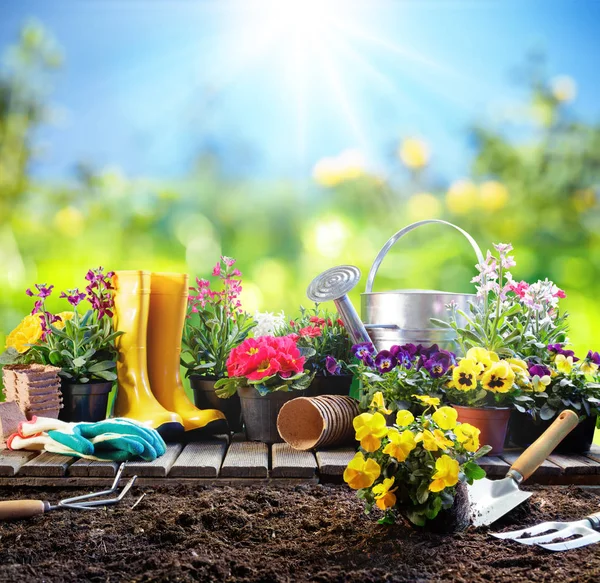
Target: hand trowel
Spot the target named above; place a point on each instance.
(492, 499)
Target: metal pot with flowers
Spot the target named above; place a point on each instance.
(81, 343)
(417, 468)
(215, 324)
(265, 372)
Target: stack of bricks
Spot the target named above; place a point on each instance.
(35, 388)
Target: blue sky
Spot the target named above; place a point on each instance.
(271, 87)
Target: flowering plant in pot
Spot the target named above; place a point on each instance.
(214, 325)
(81, 343)
(418, 467)
(265, 372)
(401, 374)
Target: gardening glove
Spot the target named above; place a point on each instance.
(122, 439)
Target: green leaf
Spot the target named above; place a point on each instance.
(104, 365)
(106, 375)
(423, 492)
(547, 412)
(440, 323)
(473, 471)
(79, 362)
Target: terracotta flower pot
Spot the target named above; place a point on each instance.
(330, 385)
(492, 421)
(203, 388)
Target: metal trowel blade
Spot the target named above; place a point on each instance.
(492, 499)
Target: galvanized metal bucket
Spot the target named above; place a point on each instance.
(404, 315)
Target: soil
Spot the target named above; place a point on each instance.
(264, 534)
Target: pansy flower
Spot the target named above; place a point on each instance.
(468, 435)
(464, 375)
(400, 445)
(384, 495)
(385, 361)
(361, 472)
(499, 378)
(370, 428)
(446, 474)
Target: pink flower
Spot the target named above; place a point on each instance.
(217, 270)
(560, 294)
(229, 261)
(310, 331)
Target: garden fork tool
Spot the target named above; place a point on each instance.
(13, 509)
(492, 499)
(554, 535)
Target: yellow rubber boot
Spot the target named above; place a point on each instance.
(168, 302)
(134, 397)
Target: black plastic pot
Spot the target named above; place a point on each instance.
(84, 402)
(260, 413)
(203, 388)
(523, 431)
(330, 385)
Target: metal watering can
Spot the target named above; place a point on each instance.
(397, 316)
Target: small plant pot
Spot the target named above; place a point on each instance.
(260, 413)
(203, 388)
(523, 431)
(491, 421)
(330, 385)
(84, 402)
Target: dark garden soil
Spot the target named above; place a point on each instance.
(304, 533)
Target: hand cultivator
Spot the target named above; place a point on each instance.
(13, 509)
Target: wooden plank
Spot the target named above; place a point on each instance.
(47, 465)
(575, 464)
(287, 462)
(333, 462)
(87, 468)
(594, 453)
(199, 460)
(246, 459)
(547, 468)
(159, 468)
(494, 466)
(11, 461)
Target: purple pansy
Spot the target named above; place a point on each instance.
(362, 350)
(539, 369)
(593, 357)
(439, 364)
(558, 349)
(385, 361)
(332, 365)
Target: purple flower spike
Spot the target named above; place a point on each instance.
(332, 366)
(539, 369)
(363, 350)
(74, 297)
(385, 361)
(439, 364)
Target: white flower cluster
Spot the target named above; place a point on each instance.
(268, 323)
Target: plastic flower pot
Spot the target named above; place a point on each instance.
(203, 388)
(330, 385)
(85, 402)
(523, 431)
(491, 421)
(260, 413)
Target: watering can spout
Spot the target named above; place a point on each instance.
(334, 285)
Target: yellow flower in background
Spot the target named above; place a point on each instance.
(563, 363)
(563, 88)
(464, 375)
(404, 418)
(29, 331)
(414, 153)
(423, 205)
(431, 401)
(588, 367)
(445, 417)
(69, 221)
(370, 428)
(400, 445)
(499, 378)
(493, 196)
(462, 197)
(361, 472)
(379, 404)
(584, 199)
(331, 171)
(64, 316)
(436, 440)
(468, 435)
(446, 474)
(384, 495)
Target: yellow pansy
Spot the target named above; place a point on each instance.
(588, 367)
(445, 417)
(563, 363)
(521, 370)
(361, 472)
(464, 375)
(499, 378)
(484, 358)
(414, 153)
(384, 495)
(431, 401)
(379, 404)
(468, 435)
(446, 474)
(436, 440)
(404, 418)
(370, 428)
(400, 445)
(64, 316)
(540, 383)
(29, 331)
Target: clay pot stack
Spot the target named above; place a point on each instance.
(310, 422)
(35, 388)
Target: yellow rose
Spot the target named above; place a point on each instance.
(361, 472)
(370, 428)
(445, 417)
(446, 474)
(64, 316)
(29, 331)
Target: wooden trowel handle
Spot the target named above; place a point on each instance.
(13, 509)
(533, 457)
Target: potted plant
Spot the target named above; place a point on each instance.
(331, 348)
(418, 467)
(82, 344)
(265, 372)
(215, 324)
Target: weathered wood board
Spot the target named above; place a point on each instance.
(246, 459)
(199, 460)
(287, 462)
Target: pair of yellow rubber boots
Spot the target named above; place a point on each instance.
(150, 309)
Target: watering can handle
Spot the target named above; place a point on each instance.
(408, 229)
